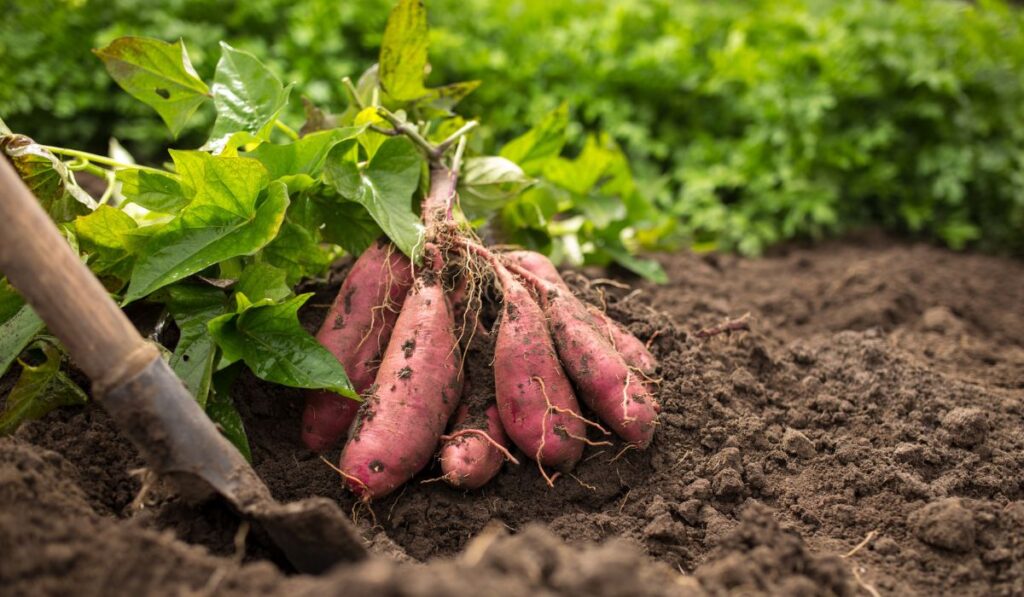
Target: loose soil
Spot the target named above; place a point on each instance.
(864, 435)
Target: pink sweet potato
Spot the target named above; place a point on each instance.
(414, 394)
(606, 383)
(535, 399)
(468, 458)
(629, 346)
(356, 331)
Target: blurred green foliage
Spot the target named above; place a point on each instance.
(750, 122)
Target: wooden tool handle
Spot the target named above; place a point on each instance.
(76, 308)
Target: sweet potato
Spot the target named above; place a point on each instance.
(356, 331)
(535, 399)
(606, 383)
(629, 346)
(469, 457)
(414, 394)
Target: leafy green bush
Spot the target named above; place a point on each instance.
(770, 120)
(750, 122)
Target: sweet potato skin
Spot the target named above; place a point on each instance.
(469, 461)
(536, 402)
(605, 382)
(356, 331)
(414, 394)
(629, 346)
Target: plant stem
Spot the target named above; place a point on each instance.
(111, 177)
(99, 159)
(80, 165)
(411, 132)
(287, 130)
(353, 93)
(443, 146)
(460, 149)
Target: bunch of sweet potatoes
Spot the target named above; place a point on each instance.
(400, 331)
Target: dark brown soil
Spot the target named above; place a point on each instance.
(864, 435)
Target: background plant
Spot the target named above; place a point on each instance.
(748, 122)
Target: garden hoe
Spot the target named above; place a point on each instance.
(145, 398)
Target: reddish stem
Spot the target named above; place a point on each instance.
(441, 197)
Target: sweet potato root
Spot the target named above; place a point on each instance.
(629, 346)
(356, 331)
(472, 454)
(536, 402)
(606, 383)
(414, 394)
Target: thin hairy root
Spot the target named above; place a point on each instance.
(647, 378)
(625, 400)
(504, 451)
(357, 506)
(550, 480)
(870, 590)
(728, 326)
(394, 503)
(474, 273)
(540, 450)
(566, 411)
(624, 498)
(861, 545)
(609, 282)
(651, 340)
(593, 456)
(623, 451)
(630, 296)
(587, 485)
(589, 442)
(347, 477)
(443, 477)
(148, 480)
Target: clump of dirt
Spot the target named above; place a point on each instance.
(864, 433)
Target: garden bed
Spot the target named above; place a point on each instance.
(874, 409)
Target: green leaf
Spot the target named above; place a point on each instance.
(403, 51)
(583, 173)
(488, 183)
(303, 157)
(298, 248)
(221, 410)
(348, 224)
(161, 193)
(247, 95)
(316, 119)
(18, 325)
(157, 73)
(647, 268)
(540, 143)
(270, 340)
(103, 235)
(297, 251)
(224, 415)
(223, 221)
(192, 308)
(39, 390)
(443, 99)
(385, 187)
(263, 281)
(48, 178)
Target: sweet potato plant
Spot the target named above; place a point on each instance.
(221, 235)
